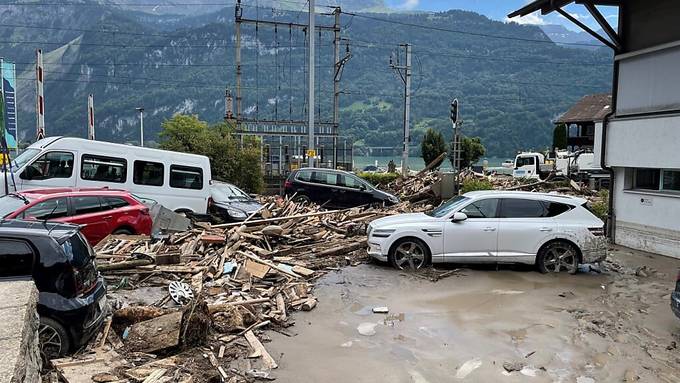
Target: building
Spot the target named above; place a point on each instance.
(641, 134)
(584, 122)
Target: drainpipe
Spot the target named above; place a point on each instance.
(611, 232)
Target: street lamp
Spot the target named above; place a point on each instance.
(141, 126)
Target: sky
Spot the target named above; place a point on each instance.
(498, 10)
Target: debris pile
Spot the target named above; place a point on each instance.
(221, 286)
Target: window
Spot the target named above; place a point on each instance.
(326, 178)
(148, 173)
(16, 258)
(186, 177)
(352, 182)
(647, 179)
(555, 208)
(671, 180)
(448, 206)
(656, 179)
(106, 169)
(86, 205)
(486, 208)
(304, 175)
(23, 158)
(50, 165)
(524, 161)
(113, 203)
(521, 208)
(46, 210)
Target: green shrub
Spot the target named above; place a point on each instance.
(473, 184)
(378, 178)
(601, 208)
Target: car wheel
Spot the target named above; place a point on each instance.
(122, 232)
(409, 254)
(54, 341)
(558, 256)
(302, 199)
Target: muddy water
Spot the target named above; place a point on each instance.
(464, 328)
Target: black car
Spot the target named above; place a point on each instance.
(72, 295)
(334, 188)
(675, 297)
(230, 204)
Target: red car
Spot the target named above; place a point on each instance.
(101, 211)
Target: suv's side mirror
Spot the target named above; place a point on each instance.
(362, 187)
(459, 217)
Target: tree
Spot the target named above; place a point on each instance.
(560, 137)
(229, 161)
(471, 151)
(433, 146)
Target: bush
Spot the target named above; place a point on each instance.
(601, 207)
(473, 184)
(433, 146)
(378, 178)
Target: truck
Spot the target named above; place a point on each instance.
(579, 165)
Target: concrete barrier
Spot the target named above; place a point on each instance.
(20, 357)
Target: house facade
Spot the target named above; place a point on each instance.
(584, 123)
(640, 141)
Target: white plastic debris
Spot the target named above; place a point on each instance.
(467, 368)
(367, 329)
(381, 310)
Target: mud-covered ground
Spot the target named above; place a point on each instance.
(479, 323)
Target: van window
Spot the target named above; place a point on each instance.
(106, 169)
(46, 210)
(186, 177)
(50, 165)
(148, 173)
(16, 258)
(86, 205)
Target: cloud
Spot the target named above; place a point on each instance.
(409, 4)
(531, 19)
(577, 16)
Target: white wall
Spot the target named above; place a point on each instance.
(597, 145)
(652, 142)
(644, 220)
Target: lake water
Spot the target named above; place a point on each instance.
(414, 163)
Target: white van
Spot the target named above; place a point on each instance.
(178, 181)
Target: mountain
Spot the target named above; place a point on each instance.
(511, 80)
(561, 35)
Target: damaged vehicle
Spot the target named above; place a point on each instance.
(554, 232)
(72, 295)
(228, 203)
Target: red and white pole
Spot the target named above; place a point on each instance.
(40, 97)
(90, 117)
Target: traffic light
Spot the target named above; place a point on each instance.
(454, 110)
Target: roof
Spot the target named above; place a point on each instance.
(19, 228)
(594, 107)
(524, 194)
(70, 192)
(547, 6)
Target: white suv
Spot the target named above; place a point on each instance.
(553, 231)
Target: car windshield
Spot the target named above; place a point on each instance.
(448, 206)
(24, 157)
(9, 204)
(227, 192)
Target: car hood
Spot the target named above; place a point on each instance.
(401, 219)
(245, 206)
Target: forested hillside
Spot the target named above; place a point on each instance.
(510, 79)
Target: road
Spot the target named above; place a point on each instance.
(589, 327)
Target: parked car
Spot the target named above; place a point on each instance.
(334, 188)
(228, 203)
(675, 297)
(178, 181)
(72, 295)
(554, 232)
(102, 211)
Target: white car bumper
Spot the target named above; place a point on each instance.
(377, 249)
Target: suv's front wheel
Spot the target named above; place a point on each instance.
(409, 253)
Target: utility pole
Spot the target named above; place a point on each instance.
(406, 78)
(40, 97)
(311, 30)
(238, 13)
(228, 105)
(90, 117)
(141, 126)
(456, 144)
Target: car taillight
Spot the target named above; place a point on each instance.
(287, 184)
(84, 280)
(597, 231)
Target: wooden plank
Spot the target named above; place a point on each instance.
(275, 219)
(260, 351)
(140, 373)
(256, 269)
(155, 334)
